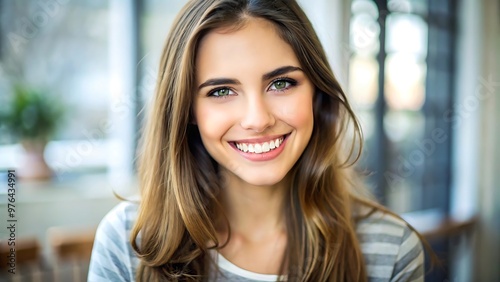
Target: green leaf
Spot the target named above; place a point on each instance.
(31, 114)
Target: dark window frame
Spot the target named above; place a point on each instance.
(438, 106)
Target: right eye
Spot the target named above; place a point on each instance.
(220, 92)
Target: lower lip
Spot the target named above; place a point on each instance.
(267, 156)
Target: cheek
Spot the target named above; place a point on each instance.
(297, 112)
(212, 122)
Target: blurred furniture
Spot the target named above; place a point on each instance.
(71, 248)
(67, 209)
(449, 228)
(27, 263)
(27, 252)
(70, 243)
(451, 239)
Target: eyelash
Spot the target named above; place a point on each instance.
(211, 92)
(292, 83)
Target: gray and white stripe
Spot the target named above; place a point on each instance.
(392, 251)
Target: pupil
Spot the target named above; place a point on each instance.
(280, 84)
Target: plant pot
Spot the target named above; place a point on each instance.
(33, 165)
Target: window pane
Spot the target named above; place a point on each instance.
(364, 7)
(157, 18)
(62, 48)
(405, 81)
(406, 33)
(363, 81)
(403, 126)
(406, 160)
(404, 121)
(365, 29)
(409, 6)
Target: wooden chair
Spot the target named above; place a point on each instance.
(71, 248)
(27, 263)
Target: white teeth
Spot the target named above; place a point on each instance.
(265, 147)
(259, 148)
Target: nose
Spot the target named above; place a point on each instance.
(258, 116)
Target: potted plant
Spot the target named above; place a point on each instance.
(31, 117)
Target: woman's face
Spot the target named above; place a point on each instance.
(253, 107)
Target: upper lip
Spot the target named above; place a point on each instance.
(260, 139)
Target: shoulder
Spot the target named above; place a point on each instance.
(112, 256)
(123, 214)
(392, 250)
(119, 222)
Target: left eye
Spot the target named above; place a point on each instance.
(280, 85)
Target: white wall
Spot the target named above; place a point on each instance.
(465, 128)
(330, 19)
(488, 255)
(476, 177)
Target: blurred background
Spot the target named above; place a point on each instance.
(423, 76)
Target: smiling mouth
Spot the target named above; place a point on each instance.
(260, 147)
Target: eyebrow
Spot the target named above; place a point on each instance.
(280, 71)
(267, 76)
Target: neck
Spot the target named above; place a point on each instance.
(254, 211)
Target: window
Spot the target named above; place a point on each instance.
(60, 47)
(400, 81)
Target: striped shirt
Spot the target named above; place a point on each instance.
(392, 251)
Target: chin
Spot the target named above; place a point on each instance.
(262, 179)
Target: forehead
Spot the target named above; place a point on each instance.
(255, 45)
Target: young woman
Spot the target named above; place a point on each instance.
(243, 169)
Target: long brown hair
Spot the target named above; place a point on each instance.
(179, 180)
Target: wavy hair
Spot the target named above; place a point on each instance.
(179, 180)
